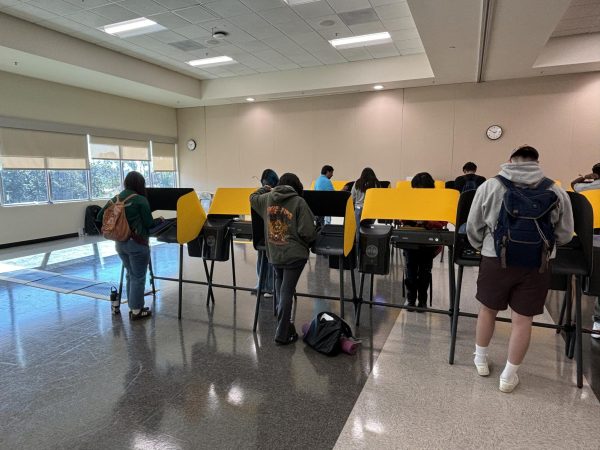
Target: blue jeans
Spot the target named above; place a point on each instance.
(136, 258)
(268, 286)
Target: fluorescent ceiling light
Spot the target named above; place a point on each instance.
(250, 99)
(378, 87)
(299, 2)
(361, 41)
(133, 27)
(217, 60)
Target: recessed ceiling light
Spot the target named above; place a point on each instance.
(250, 99)
(211, 61)
(378, 87)
(133, 27)
(361, 41)
(299, 2)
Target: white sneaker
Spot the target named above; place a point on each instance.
(267, 295)
(508, 386)
(483, 368)
(596, 327)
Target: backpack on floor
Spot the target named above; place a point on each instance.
(114, 223)
(524, 234)
(325, 332)
(90, 227)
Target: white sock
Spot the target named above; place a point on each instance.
(509, 371)
(481, 354)
(135, 311)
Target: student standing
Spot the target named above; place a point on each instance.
(289, 231)
(135, 252)
(367, 180)
(419, 262)
(469, 181)
(517, 283)
(324, 183)
(590, 182)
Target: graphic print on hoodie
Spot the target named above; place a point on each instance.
(279, 222)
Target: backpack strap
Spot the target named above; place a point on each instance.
(505, 181)
(546, 183)
(126, 199)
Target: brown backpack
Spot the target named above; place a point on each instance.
(114, 223)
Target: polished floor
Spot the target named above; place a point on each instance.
(73, 376)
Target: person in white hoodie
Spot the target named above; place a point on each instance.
(524, 289)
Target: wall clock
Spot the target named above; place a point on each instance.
(494, 132)
(191, 145)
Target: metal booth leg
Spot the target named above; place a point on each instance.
(455, 311)
(261, 277)
(578, 332)
(341, 263)
(152, 277)
(561, 317)
(210, 296)
(233, 264)
(180, 280)
(568, 326)
(121, 281)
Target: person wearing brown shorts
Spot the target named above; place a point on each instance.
(523, 289)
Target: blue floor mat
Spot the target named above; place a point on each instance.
(63, 284)
(25, 276)
(100, 291)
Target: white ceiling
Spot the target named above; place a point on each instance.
(264, 35)
(282, 51)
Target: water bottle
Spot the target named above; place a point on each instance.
(115, 301)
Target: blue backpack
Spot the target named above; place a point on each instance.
(524, 234)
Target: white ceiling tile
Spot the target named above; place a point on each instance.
(115, 12)
(169, 20)
(355, 54)
(330, 56)
(192, 31)
(336, 33)
(283, 44)
(9, 2)
(90, 19)
(294, 27)
(401, 35)
(348, 5)
(316, 22)
(408, 43)
(88, 4)
(176, 4)
(402, 23)
(261, 5)
(279, 15)
(195, 14)
(28, 12)
(375, 3)
(253, 46)
(383, 50)
(167, 36)
(316, 9)
(229, 50)
(393, 11)
(367, 28)
(58, 7)
(412, 51)
(307, 39)
(256, 26)
(144, 8)
(228, 8)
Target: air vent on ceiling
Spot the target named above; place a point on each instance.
(187, 45)
(359, 16)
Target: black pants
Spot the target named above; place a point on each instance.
(286, 279)
(418, 273)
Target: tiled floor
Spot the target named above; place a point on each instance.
(73, 376)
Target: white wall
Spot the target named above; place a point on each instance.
(29, 98)
(397, 132)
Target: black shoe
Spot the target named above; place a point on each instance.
(293, 338)
(143, 314)
(410, 304)
(422, 305)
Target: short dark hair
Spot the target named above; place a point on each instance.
(291, 179)
(325, 169)
(135, 181)
(526, 152)
(269, 178)
(596, 169)
(422, 180)
(470, 167)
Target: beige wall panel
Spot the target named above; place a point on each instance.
(256, 150)
(428, 129)
(585, 146)
(192, 164)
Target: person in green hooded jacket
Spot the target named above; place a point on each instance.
(289, 231)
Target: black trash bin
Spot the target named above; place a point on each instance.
(216, 236)
(374, 248)
(195, 247)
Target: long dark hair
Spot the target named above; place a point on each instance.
(135, 181)
(269, 178)
(367, 180)
(422, 180)
(291, 179)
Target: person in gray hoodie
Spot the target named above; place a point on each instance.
(289, 231)
(523, 289)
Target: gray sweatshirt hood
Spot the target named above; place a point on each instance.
(524, 173)
(282, 192)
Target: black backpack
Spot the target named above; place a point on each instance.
(324, 333)
(470, 185)
(524, 234)
(90, 224)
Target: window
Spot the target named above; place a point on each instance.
(142, 167)
(23, 186)
(164, 179)
(105, 177)
(164, 165)
(68, 179)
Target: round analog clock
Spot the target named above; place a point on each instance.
(191, 145)
(494, 132)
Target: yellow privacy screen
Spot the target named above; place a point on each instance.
(411, 204)
(231, 201)
(190, 217)
(593, 197)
